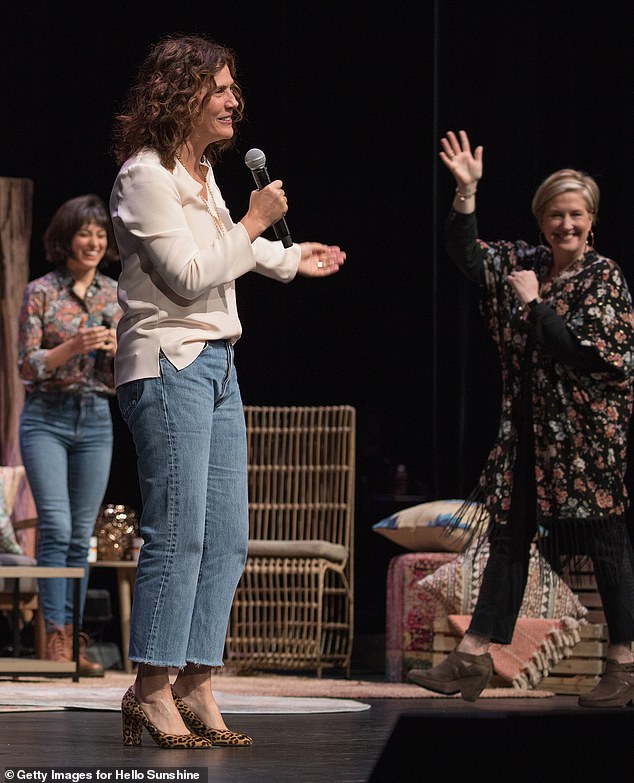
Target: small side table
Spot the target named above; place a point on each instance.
(38, 666)
(126, 574)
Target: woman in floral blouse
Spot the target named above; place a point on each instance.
(67, 341)
(561, 317)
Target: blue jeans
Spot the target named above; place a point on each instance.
(66, 445)
(188, 428)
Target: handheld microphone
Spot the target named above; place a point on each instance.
(255, 160)
(100, 356)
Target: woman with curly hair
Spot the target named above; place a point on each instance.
(181, 253)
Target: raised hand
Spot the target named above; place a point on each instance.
(457, 156)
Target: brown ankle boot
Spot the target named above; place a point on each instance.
(459, 672)
(614, 689)
(56, 647)
(87, 668)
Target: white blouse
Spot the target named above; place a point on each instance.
(176, 286)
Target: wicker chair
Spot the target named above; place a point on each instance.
(294, 605)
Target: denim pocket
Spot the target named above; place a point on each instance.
(128, 396)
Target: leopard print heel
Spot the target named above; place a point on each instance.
(218, 737)
(134, 719)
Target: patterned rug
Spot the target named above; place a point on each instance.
(257, 693)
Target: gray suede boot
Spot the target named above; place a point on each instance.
(614, 689)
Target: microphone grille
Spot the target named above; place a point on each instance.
(255, 159)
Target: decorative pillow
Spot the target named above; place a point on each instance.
(432, 526)
(10, 478)
(457, 584)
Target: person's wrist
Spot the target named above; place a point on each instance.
(530, 305)
(253, 227)
(465, 192)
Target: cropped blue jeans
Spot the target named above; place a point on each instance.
(189, 432)
(66, 446)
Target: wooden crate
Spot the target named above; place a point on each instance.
(581, 672)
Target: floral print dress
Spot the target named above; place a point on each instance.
(578, 411)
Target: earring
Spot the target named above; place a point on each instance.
(590, 239)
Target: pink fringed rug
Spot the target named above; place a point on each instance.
(537, 645)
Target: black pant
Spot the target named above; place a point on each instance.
(606, 543)
(506, 572)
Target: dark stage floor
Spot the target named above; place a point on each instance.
(395, 740)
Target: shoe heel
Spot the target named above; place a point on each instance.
(471, 688)
(132, 730)
(460, 672)
(134, 719)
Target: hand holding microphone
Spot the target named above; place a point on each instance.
(255, 160)
(317, 259)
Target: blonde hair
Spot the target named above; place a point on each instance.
(562, 181)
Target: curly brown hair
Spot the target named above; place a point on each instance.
(166, 100)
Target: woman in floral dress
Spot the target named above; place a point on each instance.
(561, 317)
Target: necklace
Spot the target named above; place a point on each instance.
(215, 213)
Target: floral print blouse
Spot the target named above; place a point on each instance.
(51, 313)
(581, 406)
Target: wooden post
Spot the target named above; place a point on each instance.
(16, 198)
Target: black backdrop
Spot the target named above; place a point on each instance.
(348, 102)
